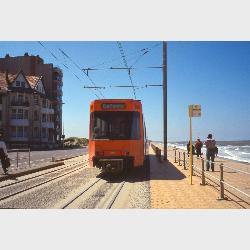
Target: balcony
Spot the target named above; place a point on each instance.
(19, 122)
(19, 103)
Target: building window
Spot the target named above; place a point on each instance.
(43, 117)
(35, 115)
(25, 131)
(35, 99)
(19, 131)
(20, 98)
(44, 133)
(0, 115)
(19, 114)
(23, 84)
(13, 98)
(44, 103)
(51, 118)
(1, 99)
(13, 131)
(13, 114)
(26, 114)
(36, 132)
(17, 83)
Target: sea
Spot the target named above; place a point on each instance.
(232, 150)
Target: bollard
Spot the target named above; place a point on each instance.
(159, 154)
(17, 159)
(175, 155)
(53, 159)
(203, 181)
(184, 160)
(179, 161)
(221, 183)
(29, 157)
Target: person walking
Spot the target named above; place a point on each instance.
(3, 155)
(211, 150)
(198, 146)
(188, 148)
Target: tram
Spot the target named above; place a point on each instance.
(116, 134)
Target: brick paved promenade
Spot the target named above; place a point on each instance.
(170, 188)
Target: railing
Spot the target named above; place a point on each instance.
(222, 183)
(17, 154)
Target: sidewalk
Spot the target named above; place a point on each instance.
(170, 188)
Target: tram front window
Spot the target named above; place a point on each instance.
(123, 125)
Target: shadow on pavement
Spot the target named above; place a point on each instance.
(152, 170)
(164, 170)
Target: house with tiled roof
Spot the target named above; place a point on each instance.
(26, 111)
(41, 78)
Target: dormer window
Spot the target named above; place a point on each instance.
(18, 83)
(23, 84)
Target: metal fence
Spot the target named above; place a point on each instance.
(22, 158)
(18, 158)
(205, 175)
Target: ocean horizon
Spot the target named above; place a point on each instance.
(233, 150)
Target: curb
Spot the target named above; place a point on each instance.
(64, 159)
(30, 171)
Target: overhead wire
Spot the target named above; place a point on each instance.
(134, 53)
(67, 67)
(92, 82)
(126, 65)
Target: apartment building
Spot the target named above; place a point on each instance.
(49, 97)
(26, 111)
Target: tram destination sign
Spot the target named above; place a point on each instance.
(113, 106)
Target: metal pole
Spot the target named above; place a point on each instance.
(29, 157)
(190, 152)
(179, 159)
(17, 159)
(164, 83)
(184, 160)
(175, 155)
(221, 183)
(203, 182)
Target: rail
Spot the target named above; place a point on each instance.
(221, 181)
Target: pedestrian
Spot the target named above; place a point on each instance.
(188, 148)
(211, 150)
(198, 146)
(4, 155)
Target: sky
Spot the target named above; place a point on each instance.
(215, 75)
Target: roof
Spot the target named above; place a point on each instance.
(32, 80)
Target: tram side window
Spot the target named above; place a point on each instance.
(115, 125)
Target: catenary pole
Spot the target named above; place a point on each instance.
(164, 83)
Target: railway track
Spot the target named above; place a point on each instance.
(91, 190)
(41, 174)
(15, 193)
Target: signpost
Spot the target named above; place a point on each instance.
(193, 111)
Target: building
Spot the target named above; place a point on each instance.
(38, 85)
